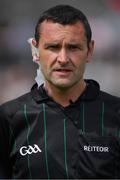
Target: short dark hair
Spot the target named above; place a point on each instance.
(65, 15)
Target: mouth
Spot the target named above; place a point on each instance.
(62, 69)
(62, 72)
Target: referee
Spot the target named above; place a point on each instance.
(66, 128)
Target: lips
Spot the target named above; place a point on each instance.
(62, 72)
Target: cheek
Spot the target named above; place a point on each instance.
(45, 61)
(47, 55)
(78, 55)
(79, 61)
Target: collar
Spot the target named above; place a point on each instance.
(91, 92)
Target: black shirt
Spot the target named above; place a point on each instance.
(41, 139)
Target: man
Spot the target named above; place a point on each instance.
(66, 127)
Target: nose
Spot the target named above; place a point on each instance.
(63, 56)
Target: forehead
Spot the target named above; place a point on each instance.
(55, 31)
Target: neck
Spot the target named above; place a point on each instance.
(65, 96)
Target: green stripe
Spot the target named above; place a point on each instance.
(83, 118)
(65, 149)
(28, 132)
(14, 144)
(45, 141)
(39, 128)
(102, 118)
(12, 135)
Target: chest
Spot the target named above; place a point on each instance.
(75, 143)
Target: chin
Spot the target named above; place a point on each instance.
(63, 85)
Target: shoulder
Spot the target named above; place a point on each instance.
(110, 101)
(31, 99)
(109, 98)
(11, 107)
(95, 94)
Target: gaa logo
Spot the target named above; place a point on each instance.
(29, 150)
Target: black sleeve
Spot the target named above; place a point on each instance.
(5, 167)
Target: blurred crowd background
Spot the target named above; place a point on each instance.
(17, 22)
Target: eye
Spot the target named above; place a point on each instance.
(73, 47)
(53, 47)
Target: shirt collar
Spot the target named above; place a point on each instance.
(91, 92)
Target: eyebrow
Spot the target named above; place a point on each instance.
(58, 44)
(51, 44)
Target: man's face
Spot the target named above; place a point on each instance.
(63, 53)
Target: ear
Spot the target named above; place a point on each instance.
(34, 43)
(34, 49)
(90, 50)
